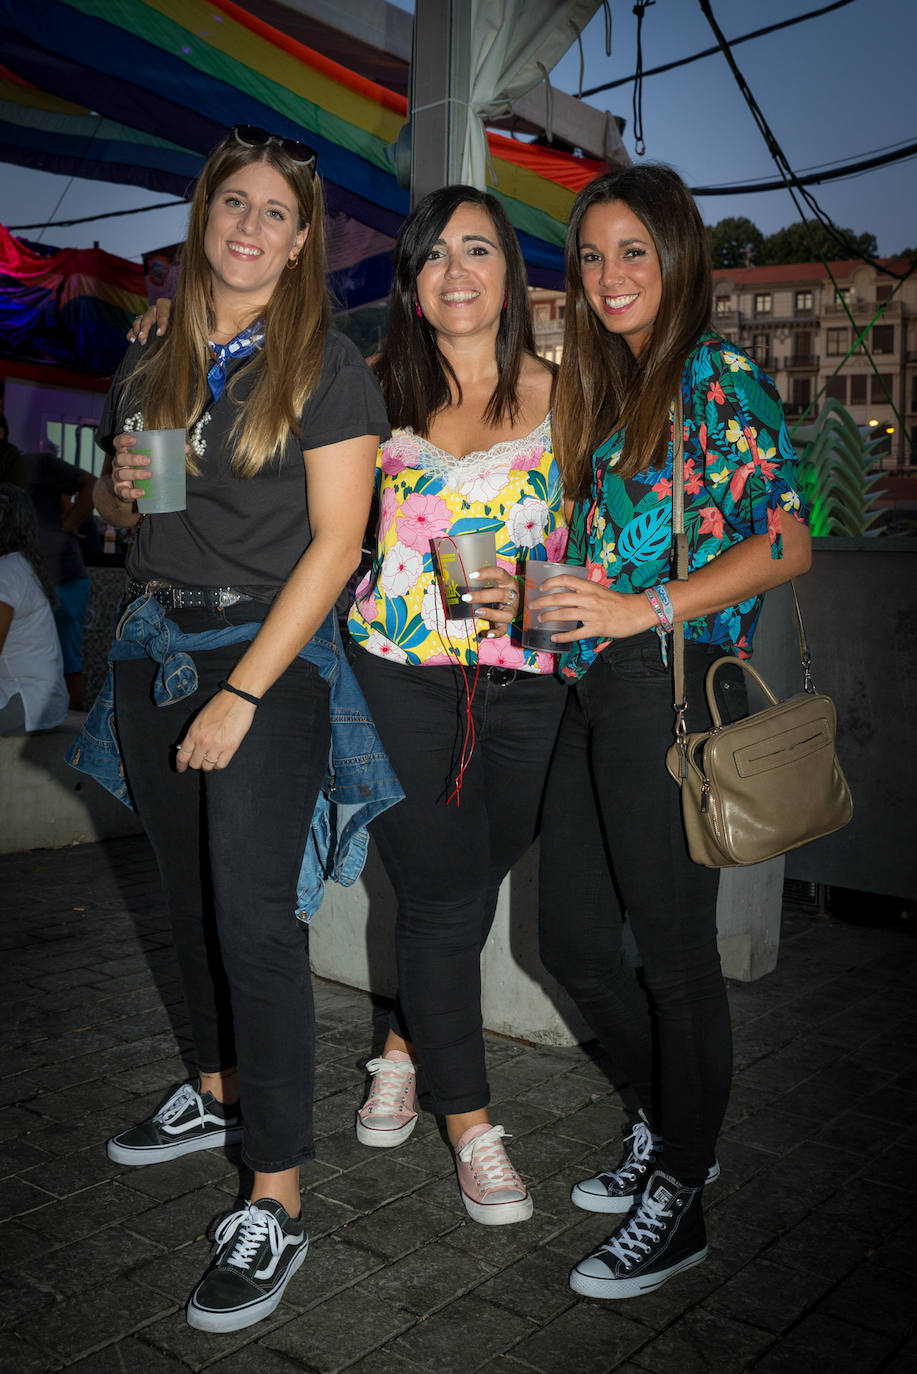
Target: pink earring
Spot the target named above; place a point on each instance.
(417, 306)
(505, 299)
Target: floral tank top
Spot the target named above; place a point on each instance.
(423, 492)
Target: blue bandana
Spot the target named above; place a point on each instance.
(241, 346)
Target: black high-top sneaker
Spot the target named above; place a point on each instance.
(664, 1235)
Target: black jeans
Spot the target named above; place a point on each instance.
(446, 862)
(229, 845)
(613, 842)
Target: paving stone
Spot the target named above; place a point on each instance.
(823, 1345)
(768, 1295)
(402, 1226)
(428, 1278)
(70, 1269)
(904, 1362)
(461, 1337)
(384, 1362)
(534, 1287)
(172, 1336)
(178, 1176)
(875, 1297)
(72, 1328)
(871, 1207)
(130, 1356)
(773, 1129)
(256, 1359)
(179, 1220)
(21, 1357)
(705, 1343)
(18, 1196)
(582, 1339)
(821, 1244)
(328, 1337)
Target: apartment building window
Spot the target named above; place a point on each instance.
(883, 338)
(802, 346)
(835, 342)
(760, 350)
(881, 388)
(764, 303)
(542, 314)
(723, 305)
(884, 291)
(802, 392)
(802, 304)
(858, 389)
(836, 389)
(561, 311)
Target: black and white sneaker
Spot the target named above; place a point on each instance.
(259, 1250)
(664, 1235)
(620, 1189)
(187, 1121)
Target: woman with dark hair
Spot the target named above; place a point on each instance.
(33, 693)
(468, 721)
(637, 332)
(226, 752)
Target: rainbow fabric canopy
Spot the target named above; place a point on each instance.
(168, 77)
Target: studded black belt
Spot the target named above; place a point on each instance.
(202, 598)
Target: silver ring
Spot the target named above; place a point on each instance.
(206, 760)
(183, 749)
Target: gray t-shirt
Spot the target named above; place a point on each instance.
(245, 531)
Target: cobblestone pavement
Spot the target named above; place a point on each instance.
(812, 1265)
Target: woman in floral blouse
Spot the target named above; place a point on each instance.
(467, 717)
(637, 329)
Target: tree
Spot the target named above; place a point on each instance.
(810, 242)
(735, 242)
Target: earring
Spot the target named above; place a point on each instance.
(417, 306)
(505, 299)
(291, 262)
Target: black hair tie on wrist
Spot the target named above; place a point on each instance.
(237, 691)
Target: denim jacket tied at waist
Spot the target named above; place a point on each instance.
(360, 782)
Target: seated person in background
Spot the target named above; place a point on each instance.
(50, 478)
(33, 694)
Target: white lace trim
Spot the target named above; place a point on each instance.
(462, 470)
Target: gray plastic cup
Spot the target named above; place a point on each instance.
(165, 486)
(536, 634)
(457, 556)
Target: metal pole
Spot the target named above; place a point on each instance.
(440, 92)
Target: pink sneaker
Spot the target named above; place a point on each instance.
(492, 1191)
(388, 1115)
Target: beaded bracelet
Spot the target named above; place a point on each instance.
(661, 602)
(237, 691)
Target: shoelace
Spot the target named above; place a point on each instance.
(641, 1152)
(184, 1097)
(489, 1162)
(635, 1239)
(251, 1226)
(389, 1091)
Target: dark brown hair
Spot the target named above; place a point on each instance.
(601, 385)
(413, 373)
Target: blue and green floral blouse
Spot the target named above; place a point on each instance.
(740, 479)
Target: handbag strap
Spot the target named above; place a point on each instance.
(680, 562)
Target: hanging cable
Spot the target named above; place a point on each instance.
(793, 184)
(639, 142)
(707, 52)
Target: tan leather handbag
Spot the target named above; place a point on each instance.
(758, 787)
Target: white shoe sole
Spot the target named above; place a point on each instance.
(378, 1139)
(602, 1202)
(589, 1286)
(202, 1319)
(498, 1213)
(158, 1154)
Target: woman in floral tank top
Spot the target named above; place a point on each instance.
(637, 330)
(467, 717)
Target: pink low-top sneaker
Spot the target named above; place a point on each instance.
(492, 1191)
(388, 1116)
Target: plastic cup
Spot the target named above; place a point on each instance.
(164, 488)
(457, 556)
(536, 633)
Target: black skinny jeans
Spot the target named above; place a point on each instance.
(613, 842)
(446, 862)
(229, 845)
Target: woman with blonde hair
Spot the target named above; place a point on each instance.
(637, 333)
(225, 753)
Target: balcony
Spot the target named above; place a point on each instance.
(804, 361)
(892, 308)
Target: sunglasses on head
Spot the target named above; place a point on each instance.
(251, 136)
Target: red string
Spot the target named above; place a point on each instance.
(470, 736)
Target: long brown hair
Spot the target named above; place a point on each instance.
(412, 372)
(170, 384)
(601, 385)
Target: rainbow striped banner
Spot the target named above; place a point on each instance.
(168, 77)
